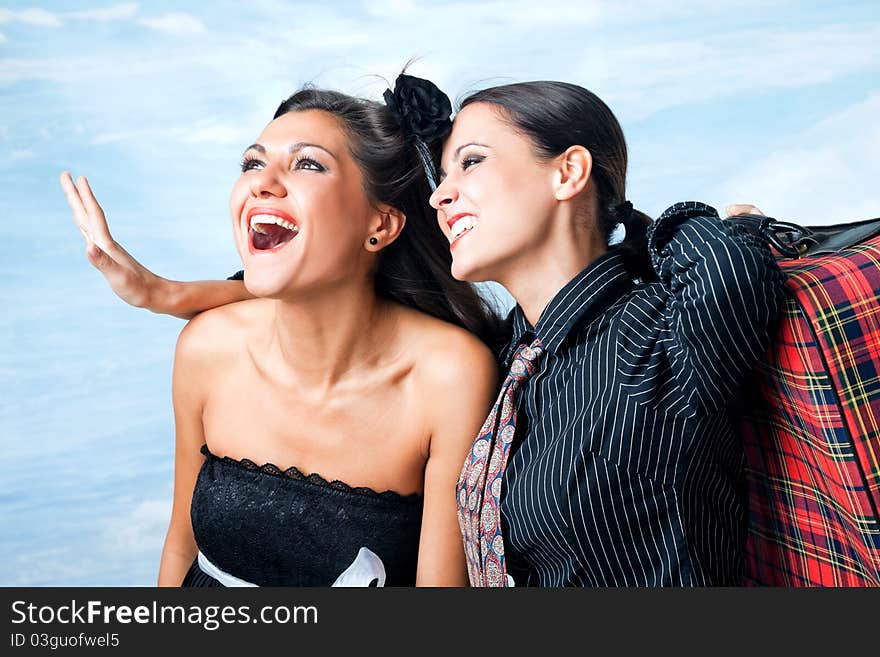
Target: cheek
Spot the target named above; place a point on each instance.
(342, 213)
(514, 215)
(237, 200)
(507, 206)
(337, 228)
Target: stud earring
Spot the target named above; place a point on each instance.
(374, 241)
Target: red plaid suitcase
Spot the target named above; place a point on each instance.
(811, 424)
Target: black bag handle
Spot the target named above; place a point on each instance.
(795, 241)
(791, 240)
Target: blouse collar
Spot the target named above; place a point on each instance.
(581, 300)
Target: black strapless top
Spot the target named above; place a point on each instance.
(274, 527)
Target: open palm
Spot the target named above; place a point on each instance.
(129, 279)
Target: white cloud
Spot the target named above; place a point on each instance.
(642, 66)
(44, 18)
(206, 131)
(21, 155)
(640, 70)
(215, 133)
(390, 7)
(176, 24)
(18, 70)
(140, 531)
(109, 69)
(654, 75)
(115, 12)
(47, 564)
(486, 14)
(829, 177)
(37, 17)
(3, 38)
(116, 136)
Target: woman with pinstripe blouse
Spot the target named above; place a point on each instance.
(611, 457)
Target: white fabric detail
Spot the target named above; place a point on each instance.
(220, 575)
(366, 567)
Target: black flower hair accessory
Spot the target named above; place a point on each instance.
(421, 108)
(423, 112)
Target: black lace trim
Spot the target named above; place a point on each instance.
(294, 473)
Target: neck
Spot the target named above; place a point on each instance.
(538, 275)
(324, 337)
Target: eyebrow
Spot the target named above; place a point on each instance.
(455, 153)
(294, 148)
(463, 146)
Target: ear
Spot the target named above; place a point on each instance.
(573, 172)
(385, 227)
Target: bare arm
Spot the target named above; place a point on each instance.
(180, 545)
(129, 279)
(464, 389)
(185, 299)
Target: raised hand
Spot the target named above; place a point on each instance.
(129, 279)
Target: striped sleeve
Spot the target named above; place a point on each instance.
(725, 290)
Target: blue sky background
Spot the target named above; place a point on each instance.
(772, 102)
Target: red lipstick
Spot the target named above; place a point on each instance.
(268, 210)
(456, 217)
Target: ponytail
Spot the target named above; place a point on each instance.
(634, 246)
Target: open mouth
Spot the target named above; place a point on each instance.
(268, 232)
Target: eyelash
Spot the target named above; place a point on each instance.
(471, 160)
(302, 158)
(250, 162)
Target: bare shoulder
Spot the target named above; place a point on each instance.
(451, 361)
(457, 377)
(221, 331)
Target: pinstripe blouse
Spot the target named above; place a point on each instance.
(627, 468)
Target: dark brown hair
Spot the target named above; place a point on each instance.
(558, 115)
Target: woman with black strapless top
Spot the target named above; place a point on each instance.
(333, 408)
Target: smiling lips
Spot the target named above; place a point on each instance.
(269, 229)
(459, 225)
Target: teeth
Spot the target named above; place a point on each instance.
(271, 219)
(460, 226)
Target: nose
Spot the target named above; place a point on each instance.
(444, 195)
(265, 183)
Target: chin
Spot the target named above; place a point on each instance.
(464, 271)
(266, 284)
(261, 289)
(459, 270)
